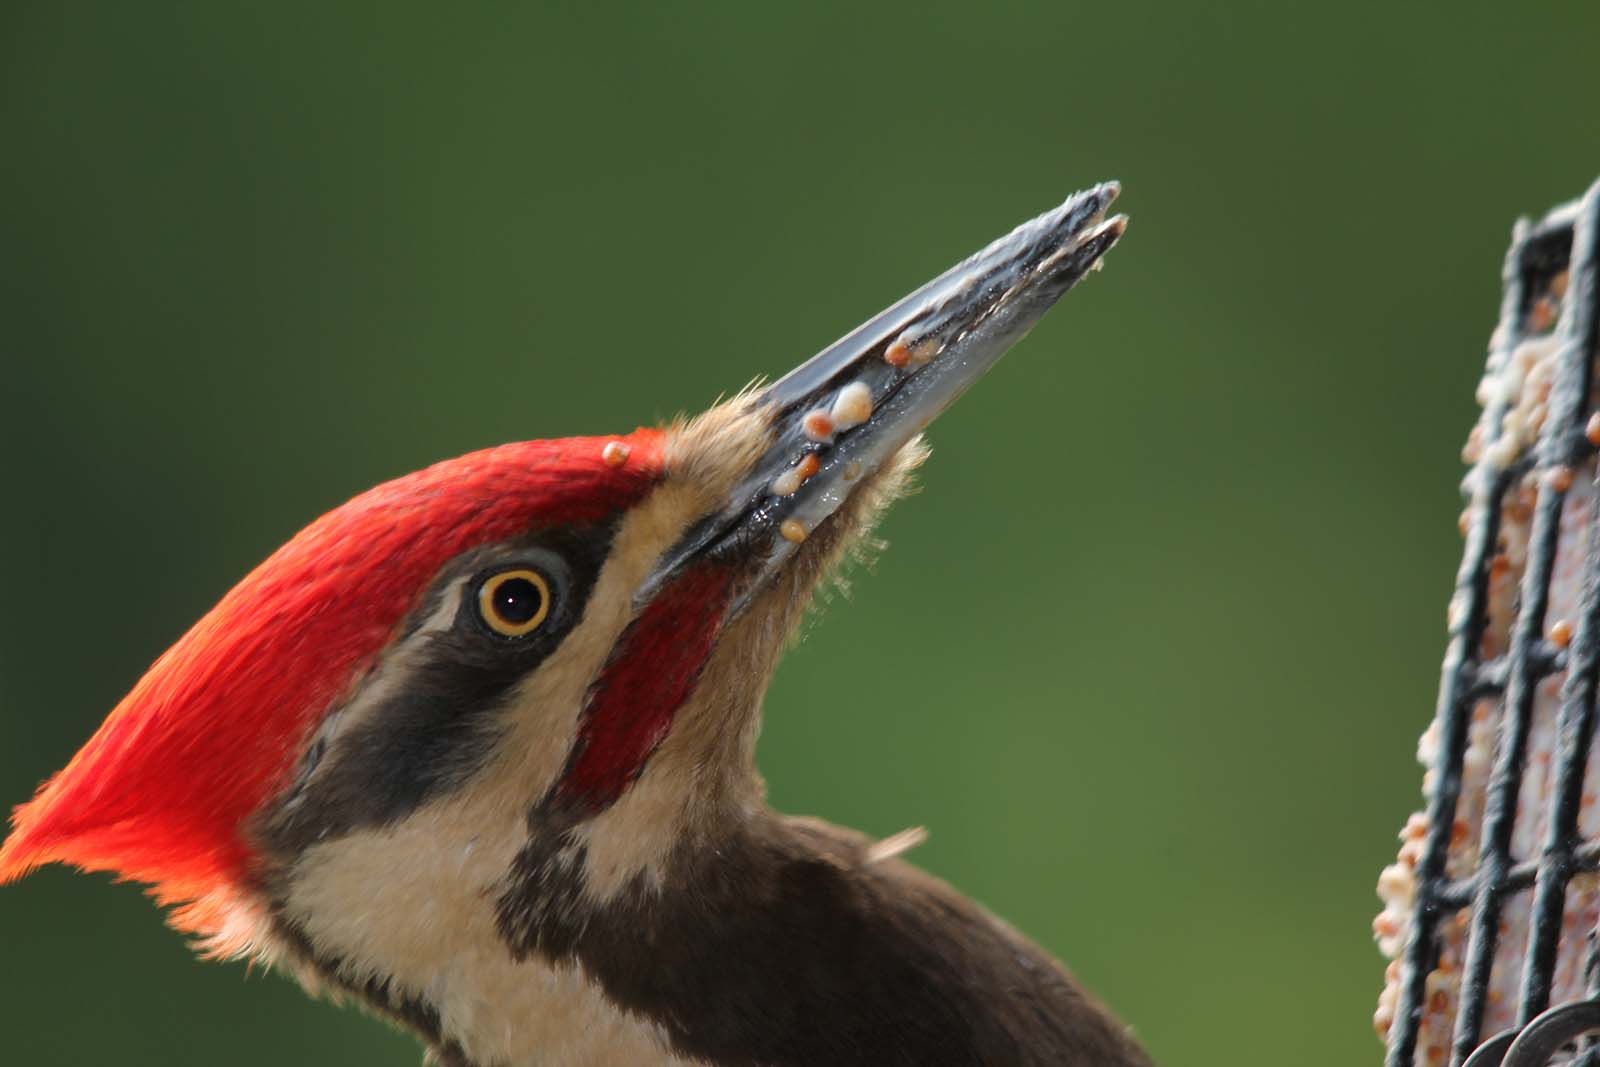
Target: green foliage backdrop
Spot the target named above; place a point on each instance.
(1150, 653)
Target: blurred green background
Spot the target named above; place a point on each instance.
(1149, 655)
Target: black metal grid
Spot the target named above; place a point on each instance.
(1566, 239)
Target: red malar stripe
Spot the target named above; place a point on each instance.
(650, 675)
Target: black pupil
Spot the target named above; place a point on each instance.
(517, 600)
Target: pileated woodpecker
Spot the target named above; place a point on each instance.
(477, 747)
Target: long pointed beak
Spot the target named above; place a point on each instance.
(840, 416)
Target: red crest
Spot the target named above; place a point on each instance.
(216, 727)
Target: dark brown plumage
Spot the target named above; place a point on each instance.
(786, 944)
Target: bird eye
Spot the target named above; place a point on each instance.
(513, 603)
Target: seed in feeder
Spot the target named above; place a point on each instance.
(615, 454)
(1543, 314)
(1561, 633)
(792, 530)
(1558, 479)
(818, 425)
(852, 406)
(1485, 391)
(1396, 883)
(1592, 431)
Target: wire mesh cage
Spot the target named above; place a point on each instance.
(1491, 909)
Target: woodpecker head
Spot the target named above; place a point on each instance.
(567, 638)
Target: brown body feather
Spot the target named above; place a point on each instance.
(787, 944)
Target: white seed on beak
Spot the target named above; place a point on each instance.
(924, 351)
(852, 407)
(787, 483)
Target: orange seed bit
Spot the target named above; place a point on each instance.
(1542, 316)
(789, 482)
(1558, 478)
(1592, 431)
(792, 530)
(818, 425)
(615, 454)
(1561, 633)
(897, 354)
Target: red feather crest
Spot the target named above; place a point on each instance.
(216, 726)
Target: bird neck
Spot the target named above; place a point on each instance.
(777, 941)
(416, 918)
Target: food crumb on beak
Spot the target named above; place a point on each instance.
(818, 425)
(905, 353)
(1561, 633)
(615, 454)
(924, 350)
(1592, 431)
(793, 530)
(852, 407)
(787, 483)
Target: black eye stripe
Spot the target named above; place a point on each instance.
(439, 722)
